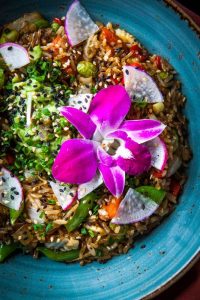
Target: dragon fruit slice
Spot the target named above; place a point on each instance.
(15, 55)
(134, 207)
(81, 101)
(139, 85)
(88, 187)
(158, 151)
(65, 195)
(78, 24)
(11, 194)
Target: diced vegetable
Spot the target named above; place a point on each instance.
(112, 207)
(158, 152)
(158, 62)
(11, 194)
(88, 187)
(158, 107)
(40, 23)
(109, 35)
(14, 55)
(152, 193)
(36, 53)
(59, 256)
(22, 22)
(140, 85)
(6, 250)
(134, 207)
(81, 212)
(86, 69)
(64, 194)
(2, 78)
(9, 36)
(174, 165)
(81, 101)
(175, 188)
(80, 31)
(14, 214)
(55, 26)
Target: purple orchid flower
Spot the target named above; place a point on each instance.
(110, 144)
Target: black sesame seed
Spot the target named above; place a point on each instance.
(71, 194)
(2, 194)
(79, 102)
(12, 197)
(143, 206)
(86, 100)
(88, 96)
(127, 72)
(10, 48)
(60, 190)
(3, 179)
(16, 193)
(13, 188)
(84, 107)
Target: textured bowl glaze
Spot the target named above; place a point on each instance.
(175, 243)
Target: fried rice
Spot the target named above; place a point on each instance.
(97, 238)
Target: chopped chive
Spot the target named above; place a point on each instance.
(38, 227)
(84, 231)
(51, 201)
(91, 233)
(49, 227)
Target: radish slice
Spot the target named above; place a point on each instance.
(81, 101)
(139, 85)
(11, 194)
(35, 215)
(78, 24)
(174, 165)
(14, 55)
(88, 187)
(158, 151)
(64, 194)
(134, 207)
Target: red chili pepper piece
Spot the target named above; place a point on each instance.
(59, 21)
(157, 174)
(175, 188)
(137, 65)
(158, 62)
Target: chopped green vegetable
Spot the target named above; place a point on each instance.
(40, 23)
(60, 256)
(51, 201)
(9, 36)
(81, 212)
(36, 53)
(93, 90)
(14, 214)
(49, 227)
(86, 69)
(141, 103)
(152, 193)
(95, 209)
(55, 26)
(91, 233)
(2, 78)
(6, 250)
(84, 231)
(38, 227)
(163, 75)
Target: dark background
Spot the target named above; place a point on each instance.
(193, 5)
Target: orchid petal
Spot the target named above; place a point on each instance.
(139, 131)
(80, 120)
(109, 107)
(76, 162)
(133, 158)
(104, 157)
(114, 179)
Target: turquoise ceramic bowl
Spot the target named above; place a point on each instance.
(175, 243)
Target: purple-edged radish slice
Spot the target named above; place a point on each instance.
(174, 165)
(134, 207)
(65, 195)
(14, 55)
(81, 101)
(139, 85)
(86, 188)
(11, 193)
(78, 24)
(158, 151)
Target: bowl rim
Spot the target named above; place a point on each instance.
(194, 259)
